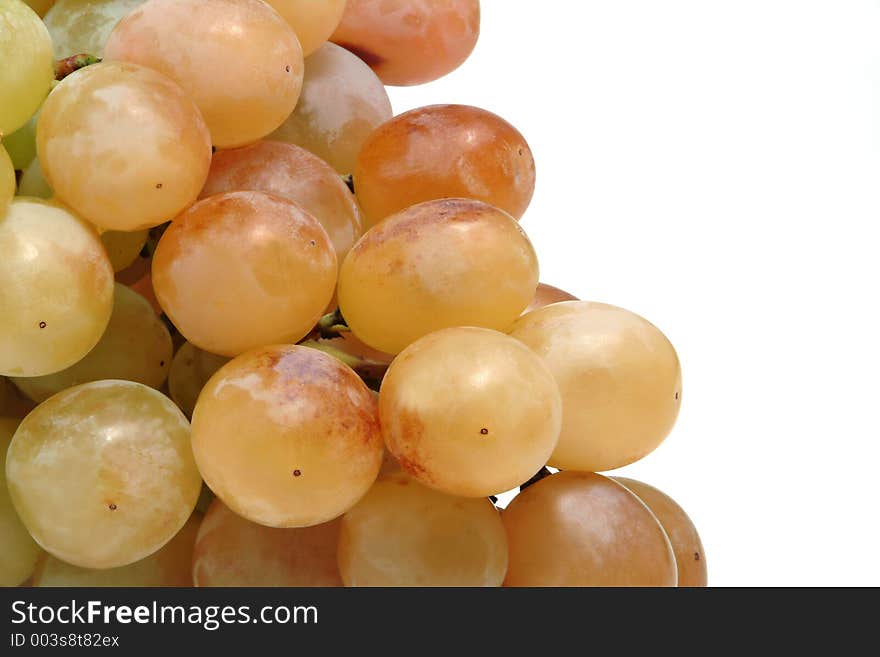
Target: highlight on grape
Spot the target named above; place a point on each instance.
(258, 329)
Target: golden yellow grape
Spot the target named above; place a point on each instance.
(690, 557)
(287, 436)
(547, 294)
(135, 347)
(123, 247)
(453, 262)
(83, 26)
(619, 377)
(342, 102)
(7, 179)
(240, 270)
(410, 42)
(57, 286)
(232, 551)
(583, 529)
(170, 566)
(470, 411)
(239, 60)
(190, 371)
(405, 534)
(123, 145)
(444, 151)
(293, 173)
(312, 20)
(102, 474)
(20, 553)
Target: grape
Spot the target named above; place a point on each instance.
(123, 247)
(83, 26)
(312, 20)
(287, 436)
(342, 102)
(453, 262)
(582, 529)
(239, 60)
(293, 173)
(232, 551)
(547, 294)
(28, 68)
(20, 552)
(57, 286)
(40, 6)
(462, 398)
(190, 371)
(404, 534)
(444, 151)
(244, 269)
(135, 347)
(22, 144)
(171, 565)
(7, 179)
(123, 145)
(33, 182)
(102, 474)
(689, 554)
(619, 377)
(410, 42)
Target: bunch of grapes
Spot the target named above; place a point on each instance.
(257, 330)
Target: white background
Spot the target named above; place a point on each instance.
(714, 165)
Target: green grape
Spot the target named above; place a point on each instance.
(171, 565)
(405, 534)
(233, 551)
(20, 553)
(102, 474)
(22, 144)
(131, 161)
(57, 285)
(440, 264)
(459, 399)
(7, 179)
(135, 347)
(28, 68)
(190, 371)
(123, 247)
(83, 26)
(33, 183)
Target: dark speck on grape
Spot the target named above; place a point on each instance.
(313, 243)
(112, 507)
(42, 325)
(158, 185)
(484, 431)
(297, 473)
(287, 68)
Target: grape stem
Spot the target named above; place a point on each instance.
(68, 65)
(332, 325)
(372, 372)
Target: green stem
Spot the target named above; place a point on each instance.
(372, 372)
(68, 65)
(331, 325)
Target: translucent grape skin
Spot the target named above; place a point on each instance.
(459, 399)
(293, 173)
(232, 551)
(7, 179)
(690, 557)
(57, 287)
(22, 144)
(170, 566)
(135, 347)
(342, 102)
(452, 262)
(115, 478)
(546, 295)
(245, 269)
(444, 151)
(405, 534)
(123, 145)
(410, 42)
(619, 377)
(312, 20)
(190, 371)
(83, 26)
(239, 60)
(20, 552)
(28, 68)
(583, 529)
(287, 436)
(123, 247)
